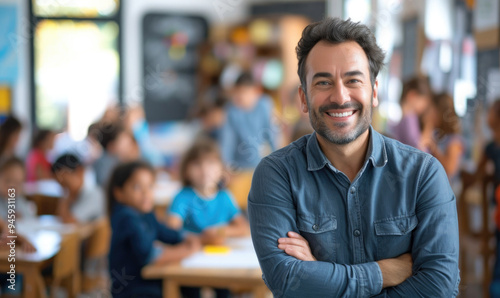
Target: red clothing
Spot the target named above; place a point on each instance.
(35, 158)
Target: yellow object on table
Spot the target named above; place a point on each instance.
(216, 249)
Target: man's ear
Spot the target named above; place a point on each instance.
(303, 100)
(375, 94)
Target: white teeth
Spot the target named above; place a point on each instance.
(345, 114)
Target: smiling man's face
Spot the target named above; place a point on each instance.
(339, 96)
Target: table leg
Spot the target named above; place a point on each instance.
(260, 292)
(171, 289)
(34, 286)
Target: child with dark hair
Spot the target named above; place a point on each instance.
(37, 164)
(248, 127)
(10, 131)
(135, 229)
(118, 146)
(12, 178)
(81, 203)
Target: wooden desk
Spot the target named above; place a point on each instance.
(247, 277)
(45, 233)
(30, 265)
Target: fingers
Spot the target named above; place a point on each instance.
(294, 251)
(296, 235)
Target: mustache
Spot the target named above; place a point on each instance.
(336, 106)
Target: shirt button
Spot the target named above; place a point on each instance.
(357, 233)
(315, 227)
(353, 190)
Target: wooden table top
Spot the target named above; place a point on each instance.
(47, 244)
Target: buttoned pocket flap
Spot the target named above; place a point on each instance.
(316, 224)
(396, 226)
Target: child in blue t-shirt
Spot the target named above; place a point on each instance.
(135, 229)
(202, 207)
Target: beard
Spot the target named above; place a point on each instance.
(318, 121)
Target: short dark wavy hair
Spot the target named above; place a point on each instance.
(335, 31)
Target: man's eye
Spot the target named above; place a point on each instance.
(323, 83)
(353, 81)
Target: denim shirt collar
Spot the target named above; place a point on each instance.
(377, 153)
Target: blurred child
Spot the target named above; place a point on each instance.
(118, 146)
(10, 130)
(492, 155)
(135, 229)
(446, 143)
(12, 178)
(415, 100)
(81, 203)
(202, 206)
(37, 165)
(248, 127)
(212, 116)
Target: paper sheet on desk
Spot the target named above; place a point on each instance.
(241, 256)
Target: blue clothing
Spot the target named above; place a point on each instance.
(492, 152)
(244, 134)
(399, 202)
(200, 213)
(132, 249)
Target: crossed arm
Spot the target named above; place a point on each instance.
(434, 253)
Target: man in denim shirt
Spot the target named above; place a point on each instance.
(345, 211)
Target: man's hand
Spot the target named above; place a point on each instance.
(396, 271)
(296, 246)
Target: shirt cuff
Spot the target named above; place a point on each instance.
(370, 278)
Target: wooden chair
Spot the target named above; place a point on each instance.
(44, 204)
(476, 242)
(96, 252)
(66, 267)
(239, 186)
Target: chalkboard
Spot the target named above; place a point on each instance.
(170, 60)
(314, 10)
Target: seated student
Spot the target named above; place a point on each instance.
(212, 115)
(10, 130)
(22, 244)
(248, 127)
(82, 203)
(12, 178)
(117, 145)
(135, 229)
(202, 206)
(37, 165)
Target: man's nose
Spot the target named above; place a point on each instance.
(340, 94)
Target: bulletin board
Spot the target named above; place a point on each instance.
(170, 64)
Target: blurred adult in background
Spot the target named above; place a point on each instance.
(118, 146)
(248, 128)
(445, 143)
(37, 163)
(10, 130)
(415, 100)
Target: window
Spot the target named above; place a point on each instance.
(76, 64)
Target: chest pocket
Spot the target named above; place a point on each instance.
(394, 236)
(320, 232)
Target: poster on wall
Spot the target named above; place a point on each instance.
(170, 61)
(8, 44)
